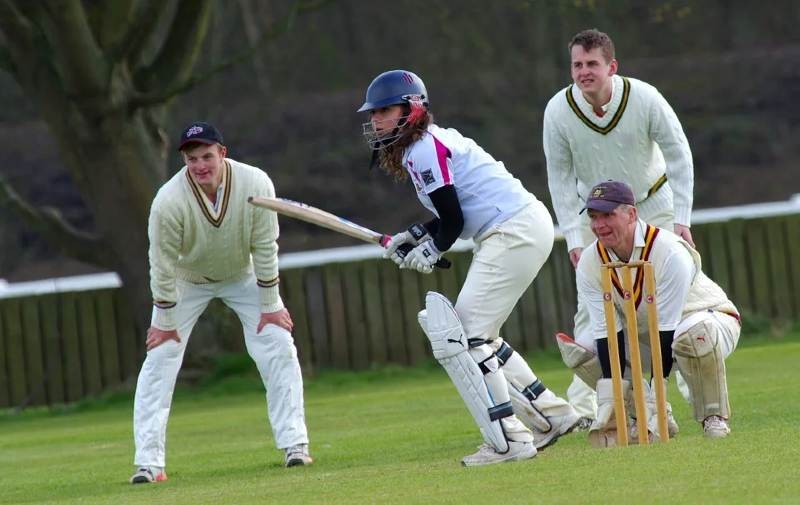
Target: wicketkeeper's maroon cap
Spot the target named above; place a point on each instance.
(608, 195)
(202, 133)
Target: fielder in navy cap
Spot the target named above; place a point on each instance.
(201, 133)
(609, 195)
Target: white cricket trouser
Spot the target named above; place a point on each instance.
(272, 350)
(505, 261)
(657, 211)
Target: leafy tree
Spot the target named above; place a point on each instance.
(103, 75)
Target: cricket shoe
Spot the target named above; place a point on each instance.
(148, 475)
(560, 424)
(488, 455)
(548, 416)
(715, 427)
(297, 455)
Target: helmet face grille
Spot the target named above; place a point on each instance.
(381, 139)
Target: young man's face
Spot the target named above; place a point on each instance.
(590, 70)
(205, 163)
(613, 229)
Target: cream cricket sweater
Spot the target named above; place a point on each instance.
(638, 140)
(192, 241)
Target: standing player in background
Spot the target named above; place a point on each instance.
(605, 126)
(474, 197)
(206, 242)
(696, 320)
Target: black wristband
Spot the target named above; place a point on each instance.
(418, 232)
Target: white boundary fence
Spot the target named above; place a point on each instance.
(304, 259)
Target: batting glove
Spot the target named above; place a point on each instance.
(399, 245)
(423, 257)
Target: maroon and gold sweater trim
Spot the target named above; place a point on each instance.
(651, 232)
(223, 206)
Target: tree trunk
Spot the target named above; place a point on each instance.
(120, 199)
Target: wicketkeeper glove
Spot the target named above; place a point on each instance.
(396, 248)
(422, 258)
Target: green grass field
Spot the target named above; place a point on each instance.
(397, 436)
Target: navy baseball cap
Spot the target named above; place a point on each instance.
(202, 133)
(608, 195)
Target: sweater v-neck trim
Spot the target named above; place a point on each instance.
(214, 216)
(615, 119)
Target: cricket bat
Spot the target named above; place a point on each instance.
(319, 217)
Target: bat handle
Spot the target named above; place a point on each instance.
(406, 248)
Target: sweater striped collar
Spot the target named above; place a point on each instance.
(615, 118)
(214, 216)
(645, 245)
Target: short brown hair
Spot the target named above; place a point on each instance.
(590, 39)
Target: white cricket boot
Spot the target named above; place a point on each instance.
(148, 475)
(297, 455)
(715, 427)
(548, 416)
(488, 455)
(518, 438)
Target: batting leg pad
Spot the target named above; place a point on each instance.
(582, 361)
(441, 324)
(702, 364)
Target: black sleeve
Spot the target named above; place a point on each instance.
(447, 227)
(605, 357)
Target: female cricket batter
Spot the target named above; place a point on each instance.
(474, 197)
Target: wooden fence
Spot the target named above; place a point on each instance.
(61, 347)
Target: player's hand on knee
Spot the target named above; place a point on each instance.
(399, 245)
(280, 318)
(157, 336)
(422, 258)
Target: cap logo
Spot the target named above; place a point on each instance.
(598, 192)
(194, 130)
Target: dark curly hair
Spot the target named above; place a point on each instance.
(390, 158)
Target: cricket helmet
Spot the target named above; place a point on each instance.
(395, 87)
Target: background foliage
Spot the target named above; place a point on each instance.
(490, 69)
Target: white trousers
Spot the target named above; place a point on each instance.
(505, 261)
(656, 211)
(272, 350)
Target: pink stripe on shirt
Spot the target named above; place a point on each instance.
(442, 153)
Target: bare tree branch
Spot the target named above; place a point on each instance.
(140, 28)
(181, 48)
(251, 31)
(79, 60)
(49, 223)
(16, 29)
(277, 30)
(109, 20)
